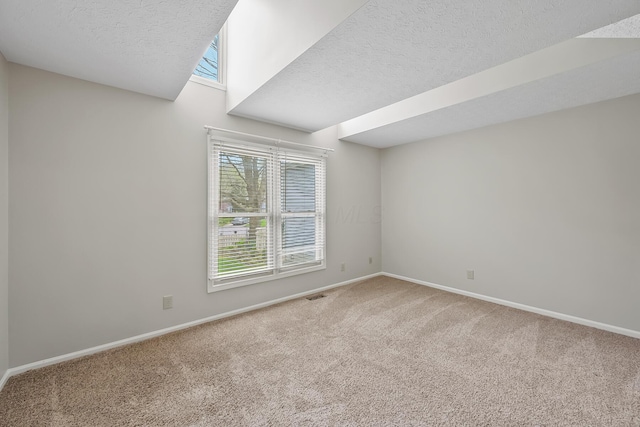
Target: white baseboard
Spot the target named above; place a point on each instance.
(70, 356)
(542, 311)
(81, 353)
(4, 379)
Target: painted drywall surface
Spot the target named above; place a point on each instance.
(108, 212)
(545, 210)
(390, 50)
(264, 37)
(551, 79)
(148, 46)
(4, 215)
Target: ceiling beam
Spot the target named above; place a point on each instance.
(563, 57)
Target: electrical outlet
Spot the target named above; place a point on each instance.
(343, 266)
(370, 260)
(167, 302)
(471, 274)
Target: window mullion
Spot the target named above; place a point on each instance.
(214, 203)
(277, 210)
(318, 217)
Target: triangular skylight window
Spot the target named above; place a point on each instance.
(208, 67)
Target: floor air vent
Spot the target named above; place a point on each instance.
(315, 297)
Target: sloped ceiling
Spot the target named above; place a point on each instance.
(627, 28)
(572, 73)
(595, 82)
(385, 72)
(146, 46)
(389, 51)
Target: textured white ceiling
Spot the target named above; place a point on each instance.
(388, 51)
(385, 52)
(596, 82)
(568, 55)
(627, 28)
(147, 46)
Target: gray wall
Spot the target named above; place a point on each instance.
(4, 215)
(545, 210)
(108, 212)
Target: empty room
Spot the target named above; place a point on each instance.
(304, 212)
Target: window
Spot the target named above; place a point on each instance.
(208, 65)
(210, 69)
(266, 213)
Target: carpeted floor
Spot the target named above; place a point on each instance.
(379, 352)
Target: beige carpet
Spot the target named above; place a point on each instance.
(379, 352)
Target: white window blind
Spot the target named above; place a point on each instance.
(266, 213)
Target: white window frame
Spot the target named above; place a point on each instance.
(273, 214)
(221, 84)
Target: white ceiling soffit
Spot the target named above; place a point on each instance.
(439, 111)
(147, 46)
(388, 51)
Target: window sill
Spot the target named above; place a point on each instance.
(253, 280)
(207, 82)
